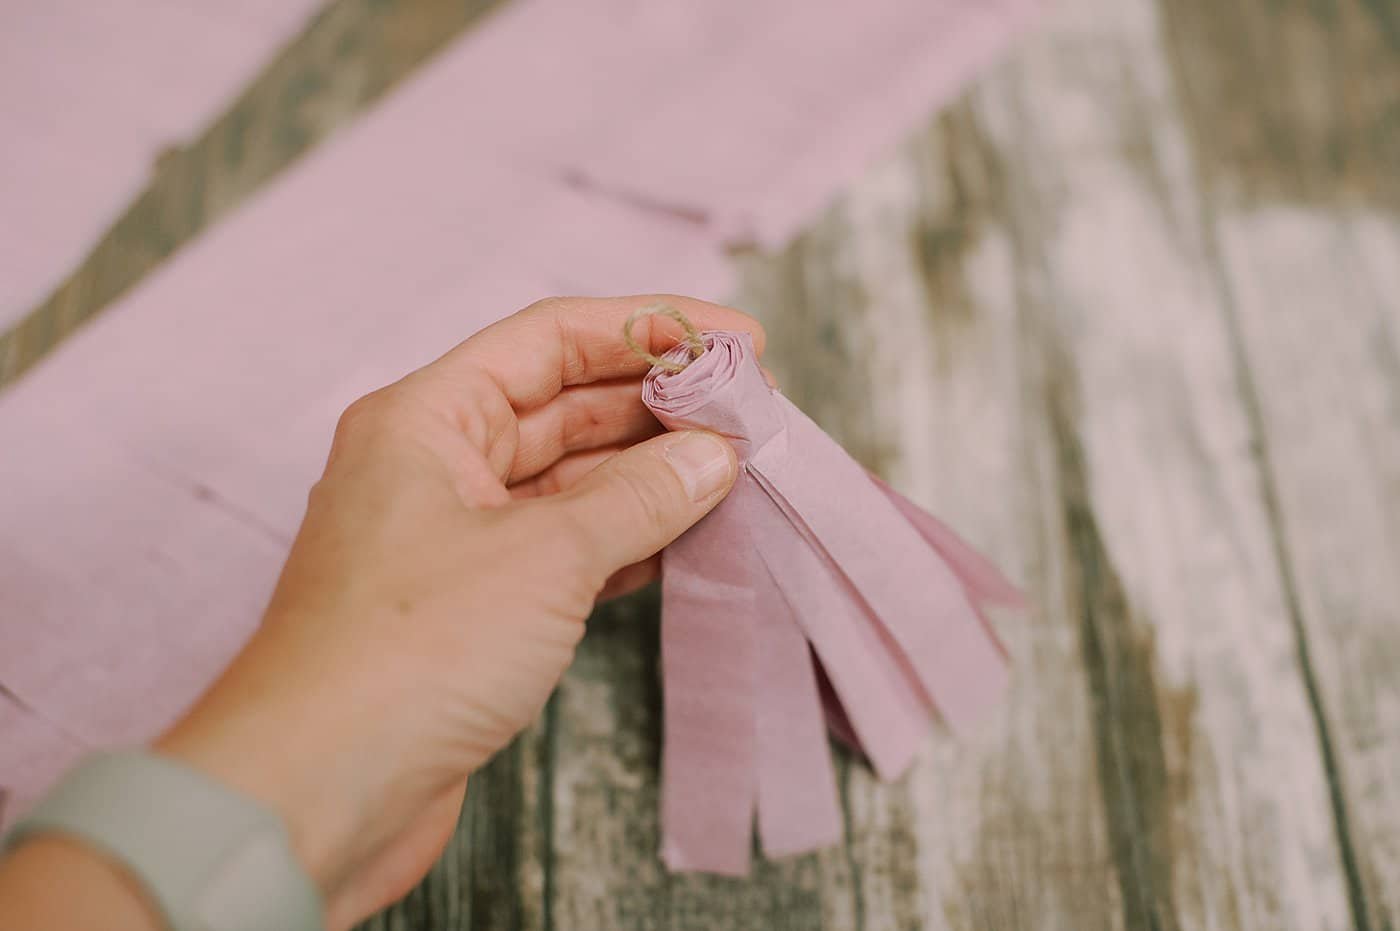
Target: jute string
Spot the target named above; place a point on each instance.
(692, 340)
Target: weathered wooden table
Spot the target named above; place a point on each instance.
(1128, 315)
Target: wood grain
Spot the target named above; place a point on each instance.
(1301, 205)
(1197, 699)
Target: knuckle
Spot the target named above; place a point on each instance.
(365, 420)
(760, 335)
(362, 414)
(579, 424)
(649, 500)
(550, 306)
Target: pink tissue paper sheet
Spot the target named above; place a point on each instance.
(34, 749)
(810, 564)
(155, 467)
(90, 93)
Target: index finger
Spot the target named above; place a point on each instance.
(534, 354)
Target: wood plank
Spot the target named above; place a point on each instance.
(922, 279)
(1199, 703)
(348, 55)
(1302, 207)
(856, 342)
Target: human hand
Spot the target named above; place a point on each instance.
(469, 517)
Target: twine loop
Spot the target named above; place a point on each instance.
(692, 341)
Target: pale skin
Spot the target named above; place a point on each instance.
(469, 518)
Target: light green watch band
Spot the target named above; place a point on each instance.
(211, 859)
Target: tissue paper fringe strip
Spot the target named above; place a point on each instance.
(90, 95)
(811, 572)
(584, 147)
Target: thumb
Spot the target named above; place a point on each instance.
(638, 501)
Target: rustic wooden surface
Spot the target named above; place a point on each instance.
(1129, 316)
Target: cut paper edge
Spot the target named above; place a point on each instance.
(709, 701)
(882, 701)
(984, 582)
(799, 808)
(960, 669)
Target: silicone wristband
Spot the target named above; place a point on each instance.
(210, 858)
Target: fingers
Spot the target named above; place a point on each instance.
(565, 473)
(606, 416)
(630, 578)
(562, 341)
(581, 418)
(644, 497)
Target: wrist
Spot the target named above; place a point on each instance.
(305, 725)
(134, 811)
(310, 831)
(277, 755)
(51, 881)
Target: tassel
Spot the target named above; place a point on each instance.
(813, 598)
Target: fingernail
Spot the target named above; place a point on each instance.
(702, 462)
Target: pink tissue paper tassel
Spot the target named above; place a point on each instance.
(813, 597)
